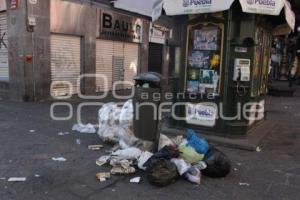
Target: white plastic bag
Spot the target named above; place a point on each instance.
(164, 141)
(88, 128)
(108, 117)
(126, 114)
(193, 175)
(182, 166)
(108, 133)
(145, 156)
(126, 137)
(109, 114)
(127, 154)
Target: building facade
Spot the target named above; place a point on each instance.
(62, 48)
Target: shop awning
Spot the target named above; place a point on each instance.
(143, 7)
(264, 7)
(289, 15)
(180, 7)
(270, 7)
(153, 8)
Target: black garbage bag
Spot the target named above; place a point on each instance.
(168, 152)
(218, 164)
(162, 172)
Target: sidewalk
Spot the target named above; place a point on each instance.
(273, 173)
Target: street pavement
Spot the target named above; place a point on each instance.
(29, 139)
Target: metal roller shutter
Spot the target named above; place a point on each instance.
(104, 54)
(131, 61)
(116, 60)
(65, 63)
(4, 72)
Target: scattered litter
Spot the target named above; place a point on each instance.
(95, 147)
(116, 124)
(108, 117)
(59, 159)
(190, 155)
(122, 167)
(127, 154)
(199, 144)
(78, 141)
(235, 169)
(218, 164)
(63, 133)
(164, 141)
(135, 180)
(102, 160)
(178, 140)
(32, 131)
(113, 190)
(193, 175)
(244, 184)
(17, 179)
(2, 178)
(189, 158)
(201, 165)
(37, 175)
(145, 156)
(239, 164)
(258, 149)
(88, 128)
(122, 171)
(168, 152)
(182, 166)
(103, 176)
(162, 172)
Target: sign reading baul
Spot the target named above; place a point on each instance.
(116, 26)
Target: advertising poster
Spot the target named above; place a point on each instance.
(204, 59)
(199, 59)
(193, 86)
(194, 74)
(206, 76)
(206, 39)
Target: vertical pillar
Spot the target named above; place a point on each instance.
(18, 39)
(284, 62)
(166, 62)
(144, 48)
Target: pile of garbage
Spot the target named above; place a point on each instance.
(189, 157)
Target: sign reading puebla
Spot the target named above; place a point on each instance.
(187, 3)
(266, 7)
(179, 7)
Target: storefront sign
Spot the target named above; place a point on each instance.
(179, 7)
(116, 26)
(201, 114)
(265, 7)
(14, 4)
(157, 34)
(3, 5)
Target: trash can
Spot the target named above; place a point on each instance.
(148, 87)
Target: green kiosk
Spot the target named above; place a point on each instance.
(225, 63)
(225, 52)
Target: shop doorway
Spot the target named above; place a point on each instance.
(155, 58)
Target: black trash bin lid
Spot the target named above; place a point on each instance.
(153, 77)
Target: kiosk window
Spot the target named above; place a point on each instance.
(204, 59)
